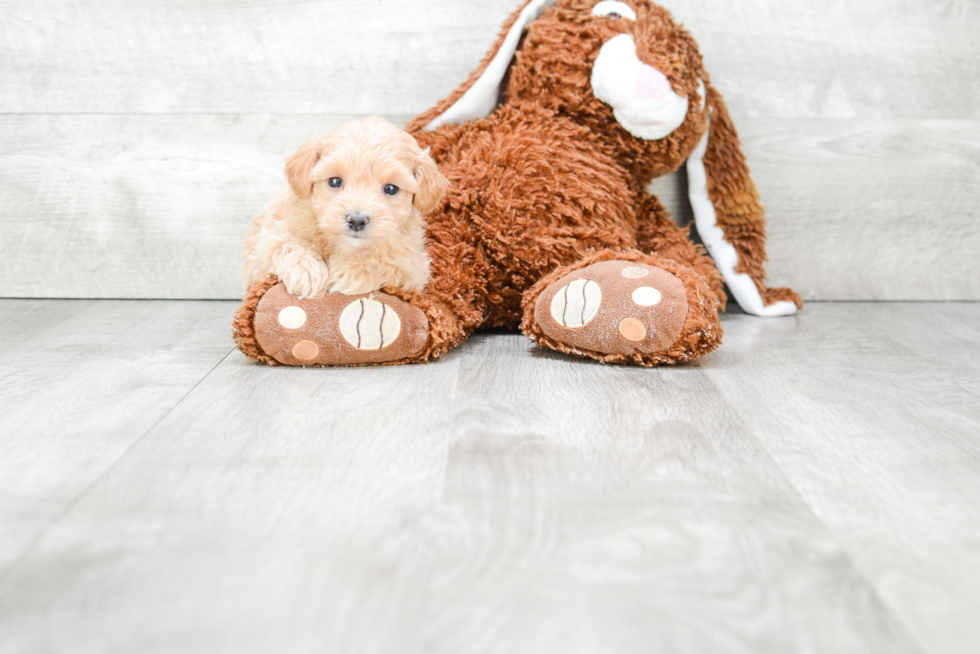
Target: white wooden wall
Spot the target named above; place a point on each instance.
(138, 138)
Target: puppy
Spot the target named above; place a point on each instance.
(350, 220)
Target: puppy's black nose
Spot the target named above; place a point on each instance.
(357, 221)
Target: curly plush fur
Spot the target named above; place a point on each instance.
(550, 181)
(243, 327)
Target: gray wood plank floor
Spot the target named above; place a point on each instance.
(812, 486)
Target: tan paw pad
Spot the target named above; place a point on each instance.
(306, 350)
(632, 329)
(614, 307)
(337, 329)
(646, 296)
(292, 317)
(634, 272)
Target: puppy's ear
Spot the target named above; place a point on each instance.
(432, 183)
(299, 167)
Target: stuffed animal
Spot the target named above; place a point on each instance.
(549, 146)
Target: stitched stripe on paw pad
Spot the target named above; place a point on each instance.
(368, 324)
(577, 303)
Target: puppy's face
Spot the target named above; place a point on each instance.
(367, 180)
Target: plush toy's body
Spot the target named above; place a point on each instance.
(547, 224)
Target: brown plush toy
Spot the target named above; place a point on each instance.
(549, 146)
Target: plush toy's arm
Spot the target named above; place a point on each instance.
(729, 217)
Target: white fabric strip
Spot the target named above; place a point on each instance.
(724, 254)
(481, 98)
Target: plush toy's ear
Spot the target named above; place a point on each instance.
(729, 217)
(480, 93)
(432, 183)
(299, 167)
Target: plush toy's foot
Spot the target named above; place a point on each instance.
(333, 330)
(627, 310)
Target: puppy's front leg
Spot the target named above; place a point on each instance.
(301, 270)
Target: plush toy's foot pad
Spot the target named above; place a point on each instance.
(614, 307)
(338, 329)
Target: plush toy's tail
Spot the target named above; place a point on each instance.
(729, 217)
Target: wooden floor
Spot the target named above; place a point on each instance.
(812, 486)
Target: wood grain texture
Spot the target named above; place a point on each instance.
(864, 209)
(947, 335)
(618, 510)
(771, 58)
(887, 59)
(228, 56)
(138, 139)
(157, 206)
(291, 489)
(80, 383)
(872, 413)
(140, 206)
(507, 499)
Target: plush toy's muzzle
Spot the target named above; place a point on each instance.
(641, 97)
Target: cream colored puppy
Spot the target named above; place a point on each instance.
(350, 220)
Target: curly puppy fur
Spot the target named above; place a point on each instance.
(350, 220)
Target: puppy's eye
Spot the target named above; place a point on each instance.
(335, 182)
(390, 189)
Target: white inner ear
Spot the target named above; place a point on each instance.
(609, 7)
(481, 98)
(724, 254)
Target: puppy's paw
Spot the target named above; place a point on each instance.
(306, 277)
